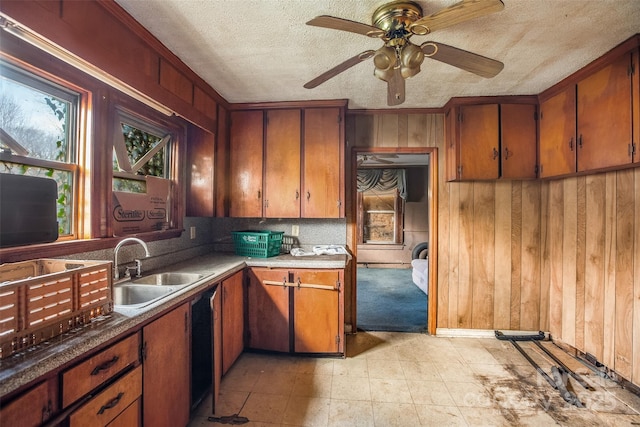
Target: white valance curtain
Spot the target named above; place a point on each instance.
(383, 180)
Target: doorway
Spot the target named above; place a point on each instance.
(393, 209)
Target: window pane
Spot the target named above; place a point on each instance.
(379, 217)
(138, 143)
(38, 127)
(63, 178)
(37, 120)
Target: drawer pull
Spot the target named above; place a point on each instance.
(111, 404)
(106, 365)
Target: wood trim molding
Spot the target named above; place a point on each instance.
(340, 103)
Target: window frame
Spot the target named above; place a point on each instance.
(94, 226)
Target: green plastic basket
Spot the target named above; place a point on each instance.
(257, 244)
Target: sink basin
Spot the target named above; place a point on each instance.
(139, 295)
(167, 279)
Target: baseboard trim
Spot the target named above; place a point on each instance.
(477, 333)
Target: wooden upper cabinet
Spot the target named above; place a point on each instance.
(518, 138)
(450, 120)
(476, 142)
(323, 165)
(635, 95)
(604, 110)
(557, 152)
(246, 156)
(282, 164)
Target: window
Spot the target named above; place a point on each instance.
(140, 149)
(142, 184)
(382, 214)
(38, 136)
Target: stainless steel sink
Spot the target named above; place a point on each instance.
(167, 279)
(139, 295)
(146, 290)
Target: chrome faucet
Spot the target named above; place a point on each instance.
(116, 273)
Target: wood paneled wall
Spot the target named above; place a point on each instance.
(591, 265)
(561, 256)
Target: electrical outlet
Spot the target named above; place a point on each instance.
(192, 232)
(295, 230)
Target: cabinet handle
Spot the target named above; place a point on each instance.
(495, 154)
(297, 194)
(104, 366)
(308, 196)
(507, 153)
(259, 194)
(580, 141)
(571, 144)
(111, 404)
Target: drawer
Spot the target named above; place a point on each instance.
(130, 417)
(82, 378)
(109, 403)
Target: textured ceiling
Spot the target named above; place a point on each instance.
(261, 50)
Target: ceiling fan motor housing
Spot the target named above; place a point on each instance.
(396, 16)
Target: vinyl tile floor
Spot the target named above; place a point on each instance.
(407, 379)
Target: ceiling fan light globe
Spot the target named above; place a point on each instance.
(384, 75)
(408, 72)
(412, 56)
(385, 58)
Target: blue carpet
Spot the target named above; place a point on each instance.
(388, 300)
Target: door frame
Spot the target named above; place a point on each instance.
(432, 196)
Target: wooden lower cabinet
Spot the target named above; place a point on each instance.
(129, 417)
(268, 310)
(296, 311)
(107, 405)
(232, 320)
(316, 312)
(32, 408)
(216, 314)
(166, 369)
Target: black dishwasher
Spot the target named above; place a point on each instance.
(201, 348)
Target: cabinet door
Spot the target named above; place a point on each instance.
(316, 311)
(245, 154)
(166, 397)
(109, 403)
(216, 314)
(282, 164)
(635, 96)
(451, 139)
(478, 142)
(268, 310)
(31, 409)
(557, 152)
(604, 117)
(130, 417)
(232, 320)
(81, 379)
(518, 141)
(323, 177)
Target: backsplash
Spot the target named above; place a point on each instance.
(214, 234)
(311, 231)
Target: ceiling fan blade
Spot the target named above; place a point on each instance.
(459, 12)
(395, 88)
(474, 63)
(339, 69)
(334, 23)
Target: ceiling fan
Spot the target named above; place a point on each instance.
(398, 59)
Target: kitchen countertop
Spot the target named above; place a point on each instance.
(23, 368)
